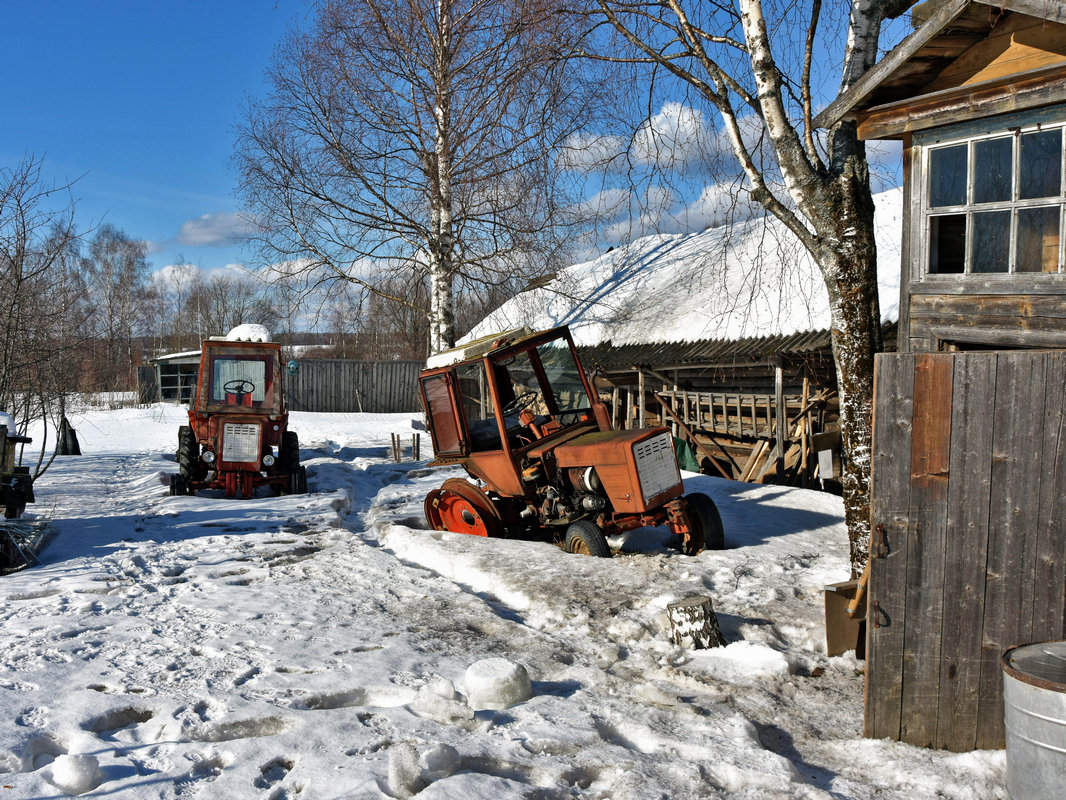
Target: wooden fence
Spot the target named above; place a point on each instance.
(736, 433)
(342, 385)
(969, 542)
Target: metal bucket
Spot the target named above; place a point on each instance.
(1034, 709)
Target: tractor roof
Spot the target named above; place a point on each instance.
(479, 348)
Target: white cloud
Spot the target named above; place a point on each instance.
(213, 230)
(676, 137)
(174, 275)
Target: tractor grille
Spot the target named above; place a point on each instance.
(656, 465)
(240, 442)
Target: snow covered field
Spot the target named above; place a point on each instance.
(317, 646)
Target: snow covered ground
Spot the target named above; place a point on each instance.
(317, 646)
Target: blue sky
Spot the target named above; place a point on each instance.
(138, 100)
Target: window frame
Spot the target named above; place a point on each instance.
(970, 134)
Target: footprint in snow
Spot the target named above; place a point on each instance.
(273, 772)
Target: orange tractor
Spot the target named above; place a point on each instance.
(237, 438)
(517, 411)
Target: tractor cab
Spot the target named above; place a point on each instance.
(509, 392)
(518, 412)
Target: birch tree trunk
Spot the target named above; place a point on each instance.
(826, 200)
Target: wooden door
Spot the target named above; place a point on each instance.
(968, 552)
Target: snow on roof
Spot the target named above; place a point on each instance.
(249, 332)
(751, 280)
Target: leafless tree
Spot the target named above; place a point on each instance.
(753, 66)
(224, 300)
(118, 301)
(39, 293)
(411, 142)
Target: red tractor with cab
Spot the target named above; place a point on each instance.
(237, 438)
(518, 413)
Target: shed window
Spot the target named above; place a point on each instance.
(994, 203)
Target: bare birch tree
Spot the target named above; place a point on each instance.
(752, 63)
(412, 140)
(39, 294)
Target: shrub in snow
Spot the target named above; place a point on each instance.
(76, 774)
(496, 683)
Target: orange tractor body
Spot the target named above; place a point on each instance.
(519, 414)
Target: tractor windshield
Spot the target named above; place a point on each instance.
(545, 379)
(241, 380)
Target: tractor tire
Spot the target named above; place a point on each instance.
(704, 513)
(179, 485)
(586, 538)
(289, 453)
(298, 481)
(188, 453)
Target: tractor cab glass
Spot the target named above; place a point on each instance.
(242, 381)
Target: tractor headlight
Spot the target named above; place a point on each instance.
(208, 457)
(268, 460)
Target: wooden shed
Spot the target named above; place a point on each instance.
(725, 396)
(968, 553)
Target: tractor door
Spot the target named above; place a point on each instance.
(440, 395)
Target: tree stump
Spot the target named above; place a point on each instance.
(693, 623)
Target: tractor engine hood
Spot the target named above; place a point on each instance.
(638, 469)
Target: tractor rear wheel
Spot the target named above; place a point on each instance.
(460, 507)
(706, 520)
(188, 453)
(587, 538)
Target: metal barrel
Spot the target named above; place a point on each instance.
(1034, 709)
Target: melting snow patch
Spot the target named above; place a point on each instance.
(75, 774)
(496, 683)
(741, 662)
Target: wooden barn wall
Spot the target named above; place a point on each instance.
(968, 553)
(342, 385)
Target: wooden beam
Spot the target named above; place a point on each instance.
(692, 438)
(781, 413)
(883, 69)
(1014, 93)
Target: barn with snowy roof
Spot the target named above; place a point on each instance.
(717, 334)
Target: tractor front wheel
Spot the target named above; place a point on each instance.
(298, 481)
(707, 522)
(586, 538)
(178, 485)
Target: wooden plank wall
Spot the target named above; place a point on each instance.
(969, 543)
(342, 385)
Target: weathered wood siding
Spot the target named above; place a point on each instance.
(342, 385)
(957, 312)
(968, 555)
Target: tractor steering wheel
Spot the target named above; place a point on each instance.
(238, 387)
(520, 402)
